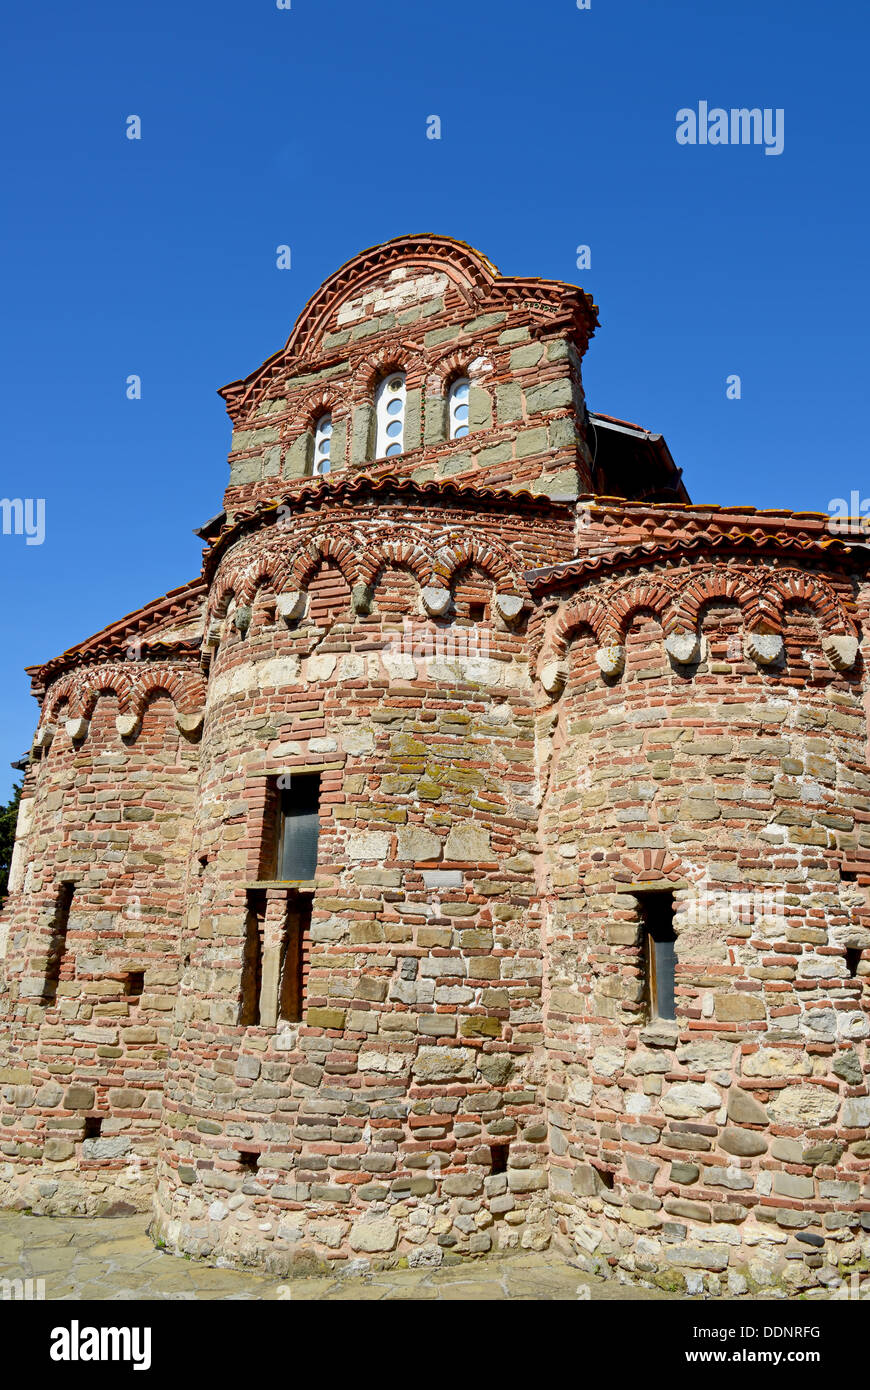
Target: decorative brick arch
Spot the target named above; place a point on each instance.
(371, 370)
(110, 682)
(725, 585)
(266, 571)
(224, 590)
(652, 866)
(583, 613)
(331, 399)
(641, 595)
(468, 270)
(62, 692)
(395, 554)
(456, 362)
(324, 546)
(793, 586)
(186, 690)
(460, 551)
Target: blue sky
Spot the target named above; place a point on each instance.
(307, 127)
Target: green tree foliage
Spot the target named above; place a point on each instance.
(8, 819)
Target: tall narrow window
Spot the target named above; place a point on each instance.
(299, 827)
(295, 954)
(657, 910)
(252, 962)
(57, 943)
(390, 416)
(322, 445)
(457, 408)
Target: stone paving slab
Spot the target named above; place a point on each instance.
(114, 1259)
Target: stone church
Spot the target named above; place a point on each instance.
(475, 854)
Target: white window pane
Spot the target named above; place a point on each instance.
(390, 416)
(322, 445)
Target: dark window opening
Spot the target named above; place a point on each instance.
(477, 612)
(252, 960)
(853, 959)
(134, 984)
(248, 1160)
(849, 875)
(57, 942)
(659, 940)
(298, 827)
(93, 1126)
(498, 1154)
(295, 956)
(606, 1177)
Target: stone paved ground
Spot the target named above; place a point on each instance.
(114, 1259)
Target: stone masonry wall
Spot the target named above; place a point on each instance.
(404, 1113)
(81, 1076)
(729, 1148)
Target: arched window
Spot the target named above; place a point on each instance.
(457, 408)
(390, 416)
(322, 445)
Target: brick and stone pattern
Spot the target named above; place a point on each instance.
(531, 710)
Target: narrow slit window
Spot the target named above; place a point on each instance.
(298, 827)
(57, 943)
(93, 1126)
(252, 962)
(660, 960)
(498, 1154)
(322, 446)
(134, 984)
(457, 408)
(295, 956)
(390, 416)
(853, 959)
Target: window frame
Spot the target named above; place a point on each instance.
(454, 404)
(390, 445)
(318, 456)
(656, 912)
(285, 850)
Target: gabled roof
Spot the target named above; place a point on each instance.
(468, 270)
(180, 604)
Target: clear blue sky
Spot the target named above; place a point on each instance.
(263, 126)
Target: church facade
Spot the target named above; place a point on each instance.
(475, 854)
